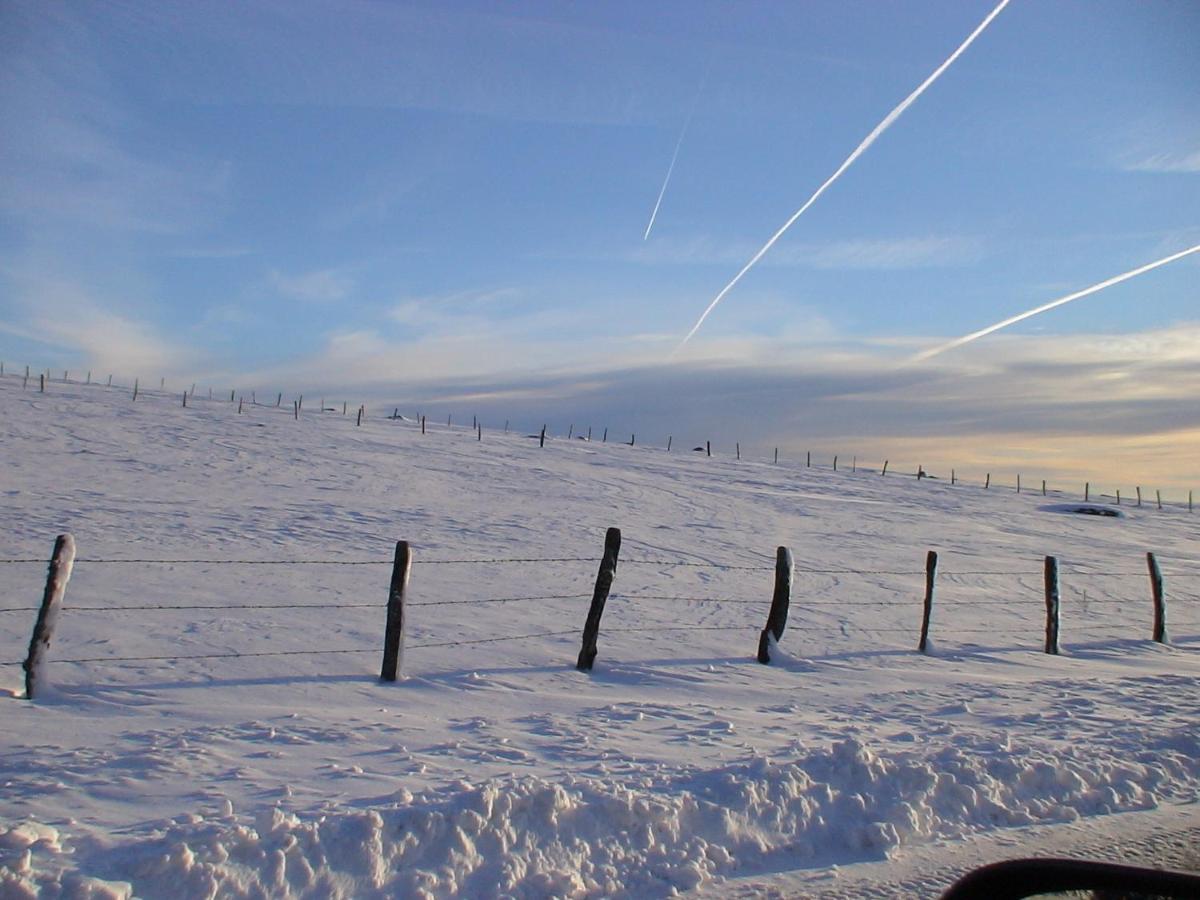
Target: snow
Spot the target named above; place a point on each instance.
(495, 768)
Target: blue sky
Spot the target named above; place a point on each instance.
(444, 203)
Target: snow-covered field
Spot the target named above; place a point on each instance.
(494, 768)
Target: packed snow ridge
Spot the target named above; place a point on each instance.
(586, 837)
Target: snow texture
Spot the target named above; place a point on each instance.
(494, 768)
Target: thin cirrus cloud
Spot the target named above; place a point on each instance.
(864, 254)
(317, 286)
(1182, 163)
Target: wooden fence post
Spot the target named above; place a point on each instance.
(1189, 501)
(807, 459)
(987, 482)
(1018, 482)
(393, 636)
(776, 456)
(1118, 496)
(231, 393)
(604, 440)
(358, 421)
(604, 580)
(571, 431)
(738, 446)
(1087, 491)
(479, 432)
(1043, 487)
(422, 424)
(1158, 497)
(57, 577)
(669, 443)
(1052, 605)
(278, 400)
(953, 477)
(854, 464)
(296, 410)
(240, 399)
(835, 462)
(781, 600)
(542, 438)
(931, 559)
(135, 388)
(1160, 600)
(1139, 496)
(708, 448)
(42, 382)
(884, 472)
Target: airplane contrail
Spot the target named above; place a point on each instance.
(858, 151)
(687, 123)
(1012, 320)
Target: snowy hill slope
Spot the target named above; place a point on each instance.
(494, 767)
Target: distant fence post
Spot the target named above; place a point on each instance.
(604, 580)
(1087, 491)
(42, 382)
(542, 438)
(604, 438)
(1158, 497)
(1043, 487)
(781, 600)
(393, 636)
(835, 462)
(931, 559)
(57, 577)
(1160, 600)
(708, 448)
(884, 472)
(1139, 496)
(1052, 605)
(987, 481)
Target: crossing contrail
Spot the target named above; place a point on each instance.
(858, 151)
(687, 123)
(1116, 279)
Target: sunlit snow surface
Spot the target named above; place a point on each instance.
(497, 769)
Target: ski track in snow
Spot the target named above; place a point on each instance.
(678, 764)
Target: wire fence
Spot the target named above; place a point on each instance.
(810, 613)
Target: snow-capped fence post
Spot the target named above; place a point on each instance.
(604, 580)
(1052, 605)
(781, 601)
(393, 636)
(1160, 600)
(931, 559)
(57, 577)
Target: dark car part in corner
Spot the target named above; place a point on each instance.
(1017, 878)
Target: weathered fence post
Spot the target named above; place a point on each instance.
(953, 477)
(632, 440)
(1052, 605)
(604, 580)
(359, 420)
(185, 399)
(1018, 482)
(930, 575)
(1160, 600)
(135, 388)
(479, 432)
(884, 472)
(708, 448)
(604, 439)
(1087, 490)
(807, 459)
(738, 448)
(1118, 496)
(776, 456)
(1043, 487)
(422, 424)
(278, 399)
(296, 410)
(571, 431)
(1139, 496)
(393, 636)
(231, 393)
(42, 382)
(1158, 497)
(781, 600)
(542, 437)
(835, 462)
(57, 577)
(240, 399)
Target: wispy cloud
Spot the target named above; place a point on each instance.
(1184, 162)
(317, 286)
(877, 254)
